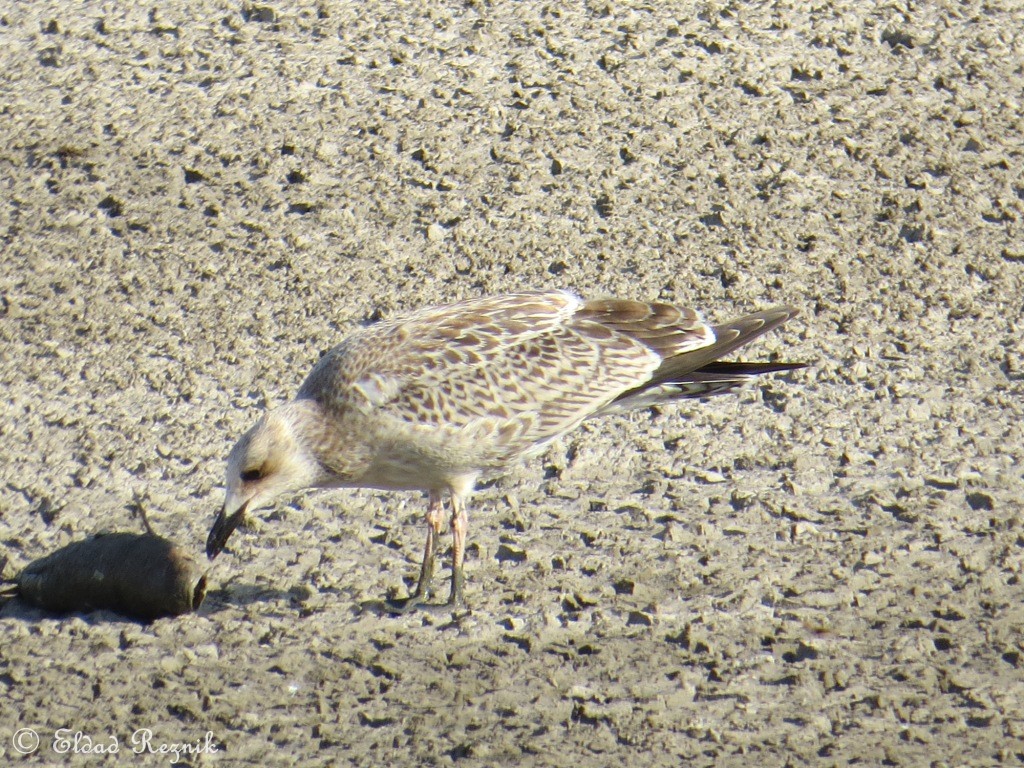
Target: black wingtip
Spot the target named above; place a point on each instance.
(739, 368)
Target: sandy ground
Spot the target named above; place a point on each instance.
(197, 198)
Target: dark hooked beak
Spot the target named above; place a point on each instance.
(222, 529)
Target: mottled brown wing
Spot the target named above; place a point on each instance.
(664, 328)
(527, 394)
(542, 386)
(372, 365)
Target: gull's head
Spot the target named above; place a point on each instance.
(269, 461)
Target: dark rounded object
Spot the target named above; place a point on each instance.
(140, 575)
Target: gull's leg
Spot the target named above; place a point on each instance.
(460, 525)
(435, 524)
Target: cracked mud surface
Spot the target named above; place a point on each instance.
(200, 197)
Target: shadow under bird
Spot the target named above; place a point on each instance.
(436, 399)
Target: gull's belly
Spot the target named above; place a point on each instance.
(420, 458)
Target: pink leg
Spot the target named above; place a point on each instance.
(435, 523)
(460, 526)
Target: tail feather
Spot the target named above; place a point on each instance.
(699, 373)
(723, 378)
(728, 338)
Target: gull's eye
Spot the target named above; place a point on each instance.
(251, 474)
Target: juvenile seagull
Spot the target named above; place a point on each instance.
(435, 399)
